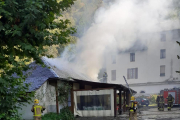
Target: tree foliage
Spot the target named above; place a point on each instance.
(63, 93)
(25, 27)
(81, 15)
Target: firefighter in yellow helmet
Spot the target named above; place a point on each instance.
(133, 109)
(37, 110)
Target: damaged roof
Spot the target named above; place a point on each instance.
(39, 75)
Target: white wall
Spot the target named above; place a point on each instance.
(26, 111)
(148, 62)
(46, 96)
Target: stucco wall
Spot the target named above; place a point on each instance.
(46, 96)
(148, 61)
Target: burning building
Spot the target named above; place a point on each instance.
(150, 64)
(86, 98)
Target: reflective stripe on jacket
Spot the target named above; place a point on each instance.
(132, 106)
(37, 110)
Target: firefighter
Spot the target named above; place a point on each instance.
(37, 110)
(170, 100)
(157, 101)
(105, 77)
(132, 109)
(161, 103)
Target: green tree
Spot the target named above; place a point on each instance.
(26, 28)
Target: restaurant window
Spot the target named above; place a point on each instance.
(94, 102)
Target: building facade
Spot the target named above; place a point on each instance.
(150, 64)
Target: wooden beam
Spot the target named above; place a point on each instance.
(93, 89)
(57, 103)
(127, 97)
(124, 107)
(72, 99)
(120, 105)
(115, 104)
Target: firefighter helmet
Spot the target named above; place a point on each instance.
(132, 98)
(36, 101)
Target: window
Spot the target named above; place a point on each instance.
(162, 53)
(113, 58)
(69, 99)
(176, 34)
(94, 102)
(162, 70)
(163, 37)
(132, 73)
(132, 57)
(113, 75)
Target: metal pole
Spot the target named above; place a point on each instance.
(128, 85)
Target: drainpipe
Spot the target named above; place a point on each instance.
(57, 105)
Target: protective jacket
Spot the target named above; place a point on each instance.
(133, 106)
(133, 110)
(170, 98)
(157, 100)
(105, 75)
(37, 110)
(161, 99)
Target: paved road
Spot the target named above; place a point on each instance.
(154, 114)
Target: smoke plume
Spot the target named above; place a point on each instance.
(116, 27)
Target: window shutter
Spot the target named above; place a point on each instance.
(127, 73)
(136, 77)
(134, 57)
(133, 73)
(162, 70)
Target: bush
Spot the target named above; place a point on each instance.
(51, 116)
(65, 114)
(152, 99)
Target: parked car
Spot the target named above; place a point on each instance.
(142, 101)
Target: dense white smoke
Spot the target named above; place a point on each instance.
(117, 27)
